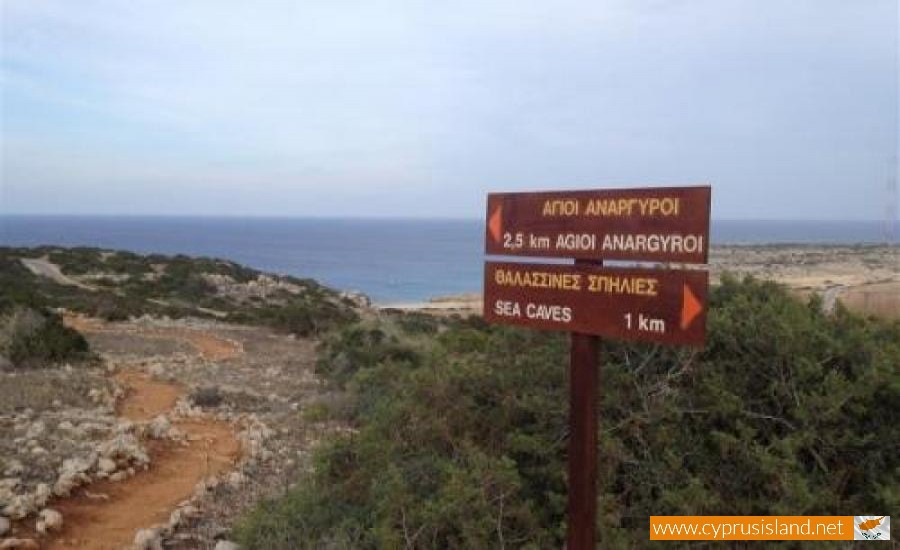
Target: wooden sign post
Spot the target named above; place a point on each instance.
(589, 300)
(584, 365)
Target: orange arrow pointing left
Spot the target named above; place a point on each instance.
(495, 223)
(690, 307)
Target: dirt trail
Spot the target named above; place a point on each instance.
(830, 297)
(146, 398)
(209, 346)
(43, 267)
(147, 499)
(106, 515)
(83, 324)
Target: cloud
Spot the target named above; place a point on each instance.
(442, 102)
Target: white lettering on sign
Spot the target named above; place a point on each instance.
(508, 308)
(559, 314)
(613, 207)
(561, 207)
(505, 308)
(573, 241)
(678, 244)
(644, 323)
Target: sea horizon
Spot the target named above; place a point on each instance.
(392, 260)
(378, 217)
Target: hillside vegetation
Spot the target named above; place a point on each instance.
(457, 431)
(116, 285)
(460, 429)
(32, 334)
(170, 384)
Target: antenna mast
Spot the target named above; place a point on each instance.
(890, 209)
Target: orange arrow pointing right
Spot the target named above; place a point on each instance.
(690, 307)
(495, 223)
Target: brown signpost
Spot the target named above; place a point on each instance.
(665, 224)
(588, 300)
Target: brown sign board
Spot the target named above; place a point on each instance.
(666, 306)
(662, 224)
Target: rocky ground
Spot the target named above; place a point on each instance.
(865, 279)
(81, 446)
(810, 266)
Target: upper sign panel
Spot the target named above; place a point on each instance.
(663, 224)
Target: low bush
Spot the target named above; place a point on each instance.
(316, 412)
(418, 323)
(32, 339)
(785, 411)
(306, 317)
(176, 286)
(207, 397)
(360, 347)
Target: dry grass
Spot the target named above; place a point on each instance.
(878, 299)
(39, 389)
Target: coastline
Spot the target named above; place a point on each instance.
(469, 303)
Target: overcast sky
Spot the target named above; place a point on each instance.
(392, 108)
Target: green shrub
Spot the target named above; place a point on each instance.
(30, 339)
(78, 260)
(785, 411)
(307, 317)
(359, 347)
(418, 323)
(178, 287)
(316, 412)
(207, 396)
(16, 285)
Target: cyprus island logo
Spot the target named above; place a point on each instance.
(871, 527)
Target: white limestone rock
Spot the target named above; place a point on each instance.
(49, 521)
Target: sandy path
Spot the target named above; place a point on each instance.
(146, 398)
(43, 267)
(82, 323)
(148, 498)
(209, 346)
(830, 296)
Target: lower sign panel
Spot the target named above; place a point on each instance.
(651, 305)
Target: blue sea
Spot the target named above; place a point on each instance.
(391, 260)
